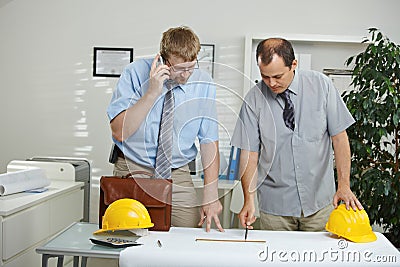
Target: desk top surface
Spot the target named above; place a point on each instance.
(74, 241)
(179, 247)
(11, 204)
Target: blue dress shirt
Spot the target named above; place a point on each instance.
(194, 116)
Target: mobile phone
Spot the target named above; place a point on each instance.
(160, 61)
(113, 154)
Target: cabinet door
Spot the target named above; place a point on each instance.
(28, 258)
(66, 209)
(25, 228)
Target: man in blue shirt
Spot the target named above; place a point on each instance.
(135, 114)
(289, 126)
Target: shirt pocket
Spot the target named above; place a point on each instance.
(313, 125)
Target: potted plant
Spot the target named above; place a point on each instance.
(375, 137)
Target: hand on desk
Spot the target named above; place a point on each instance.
(246, 215)
(211, 211)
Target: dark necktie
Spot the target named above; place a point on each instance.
(288, 111)
(164, 150)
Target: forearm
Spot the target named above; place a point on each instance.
(342, 158)
(343, 164)
(210, 160)
(248, 173)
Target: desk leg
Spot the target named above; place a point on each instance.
(76, 261)
(84, 262)
(60, 261)
(46, 257)
(45, 260)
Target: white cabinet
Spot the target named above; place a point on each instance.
(27, 220)
(24, 229)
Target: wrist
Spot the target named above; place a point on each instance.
(210, 195)
(249, 196)
(152, 95)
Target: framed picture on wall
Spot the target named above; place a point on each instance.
(110, 61)
(206, 58)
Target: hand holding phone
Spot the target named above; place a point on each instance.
(160, 60)
(159, 73)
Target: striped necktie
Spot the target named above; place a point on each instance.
(164, 150)
(288, 111)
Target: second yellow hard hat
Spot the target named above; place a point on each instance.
(350, 224)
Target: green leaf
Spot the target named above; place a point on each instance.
(396, 118)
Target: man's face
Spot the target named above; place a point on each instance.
(181, 70)
(276, 75)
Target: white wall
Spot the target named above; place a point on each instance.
(52, 106)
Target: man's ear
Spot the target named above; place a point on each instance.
(294, 64)
(259, 61)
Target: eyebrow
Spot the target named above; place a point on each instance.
(189, 63)
(275, 76)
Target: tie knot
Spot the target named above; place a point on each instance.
(170, 84)
(285, 95)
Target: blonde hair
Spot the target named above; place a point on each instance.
(181, 42)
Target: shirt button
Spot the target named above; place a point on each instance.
(297, 166)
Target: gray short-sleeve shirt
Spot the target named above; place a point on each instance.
(295, 169)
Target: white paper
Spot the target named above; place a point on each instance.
(20, 181)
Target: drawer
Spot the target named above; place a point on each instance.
(28, 258)
(24, 229)
(66, 209)
(27, 228)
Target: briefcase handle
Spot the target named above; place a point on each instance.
(132, 174)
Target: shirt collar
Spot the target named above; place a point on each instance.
(173, 85)
(192, 79)
(293, 86)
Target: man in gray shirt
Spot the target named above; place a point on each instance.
(286, 128)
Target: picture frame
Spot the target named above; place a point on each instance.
(206, 58)
(110, 61)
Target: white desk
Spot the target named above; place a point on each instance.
(179, 248)
(297, 248)
(29, 219)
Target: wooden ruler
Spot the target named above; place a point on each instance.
(231, 240)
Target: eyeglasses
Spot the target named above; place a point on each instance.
(178, 68)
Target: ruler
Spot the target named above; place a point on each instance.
(231, 240)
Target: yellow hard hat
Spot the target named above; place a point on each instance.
(125, 214)
(350, 224)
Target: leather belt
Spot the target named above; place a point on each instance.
(121, 155)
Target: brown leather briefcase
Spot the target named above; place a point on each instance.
(154, 194)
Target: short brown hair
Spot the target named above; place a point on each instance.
(267, 48)
(181, 42)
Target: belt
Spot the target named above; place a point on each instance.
(121, 155)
